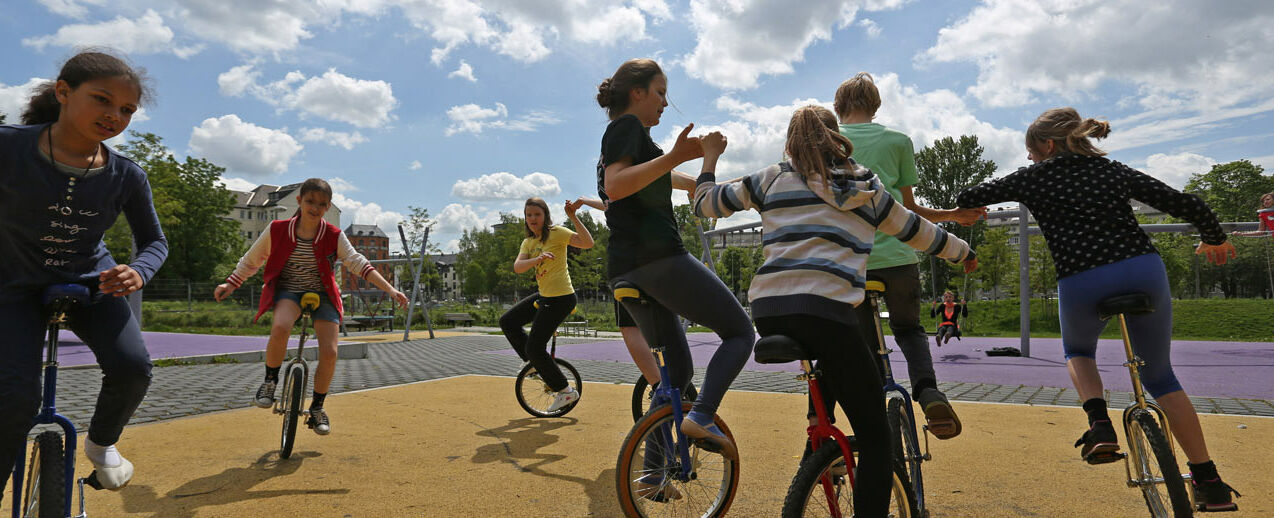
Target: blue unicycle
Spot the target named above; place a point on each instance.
(43, 486)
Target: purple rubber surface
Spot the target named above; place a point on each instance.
(1210, 369)
(72, 351)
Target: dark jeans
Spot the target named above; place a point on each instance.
(544, 322)
(110, 331)
(681, 285)
(849, 373)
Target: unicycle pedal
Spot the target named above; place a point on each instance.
(92, 482)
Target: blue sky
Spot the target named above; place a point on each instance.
(467, 107)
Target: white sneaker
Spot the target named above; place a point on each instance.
(563, 399)
(112, 477)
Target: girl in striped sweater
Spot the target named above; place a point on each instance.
(819, 214)
(301, 254)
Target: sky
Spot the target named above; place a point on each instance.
(468, 107)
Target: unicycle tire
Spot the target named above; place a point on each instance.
(643, 393)
(1146, 438)
(535, 396)
(292, 395)
(46, 479)
(708, 494)
(907, 454)
(807, 497)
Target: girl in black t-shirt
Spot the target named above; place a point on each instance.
(645, 248)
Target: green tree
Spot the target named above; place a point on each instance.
(947, 167)
(1, 118)
(193, 209)
(735, 269)
(1233, 191)
(416, 226)
(996, 260)
(1043, 274)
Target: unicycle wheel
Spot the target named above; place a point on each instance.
(536, 397)
(45, 492)
(643, 394)
(293, 391)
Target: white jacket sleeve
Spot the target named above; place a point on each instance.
(355, 262)
(251, 261)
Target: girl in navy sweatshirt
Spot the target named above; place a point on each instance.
(61, 188)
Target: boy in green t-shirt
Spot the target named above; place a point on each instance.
(890, 155)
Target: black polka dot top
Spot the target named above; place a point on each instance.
(1081, 204)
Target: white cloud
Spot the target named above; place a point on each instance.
(242, 147)
(238, 184)
(252, 26)
(870, 27)
(738, 41)
(333, 138)
(1068, 49)
(471, 118)
(70, 8)
(13, 99)
(362, 213)
(333, 95)
(464, 72)
(456, 218)
(144, 35)
(415, 165)
(506, 186)
(1175, 170)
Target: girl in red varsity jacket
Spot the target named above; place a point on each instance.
(300, 255)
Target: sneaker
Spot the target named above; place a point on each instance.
(265, 394)
(318, 421)
(1099, 445)
(710, 438)
(939, 415)
(563, 399)
(1213, 496)
(656, 489)
(113, 477)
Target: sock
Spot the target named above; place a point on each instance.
(317, 402)
(921, 384)
(703, 420)
(272, 373)
(1205, 472)
(105, 456)
(1096, 410)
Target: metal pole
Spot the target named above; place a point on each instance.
(135, 298)
(424, 243)
(707, 246)
(415, 284)
(1024, 278)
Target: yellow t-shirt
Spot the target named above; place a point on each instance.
(551, 275)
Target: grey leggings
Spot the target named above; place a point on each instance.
(680, 285)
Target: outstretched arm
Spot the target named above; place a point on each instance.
(582, 239)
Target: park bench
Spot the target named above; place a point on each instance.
(384, 322)
(465, 318)
(575, 328)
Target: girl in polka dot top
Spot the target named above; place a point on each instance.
(1081, 200)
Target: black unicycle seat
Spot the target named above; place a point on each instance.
(779, 349)
(1127, 304)
(66, 293)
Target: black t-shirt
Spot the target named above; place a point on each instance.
(1082, 207)
(642, 226)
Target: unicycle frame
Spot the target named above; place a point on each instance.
(891, 385)
(824, 430)
(48, 415)
(1140, 405)
(298, 362)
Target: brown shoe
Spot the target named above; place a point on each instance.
(710, 438)
(939, 415)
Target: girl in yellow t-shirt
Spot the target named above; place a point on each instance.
(544, 250)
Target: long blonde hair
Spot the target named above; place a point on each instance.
(813, 142)
(1068, 131)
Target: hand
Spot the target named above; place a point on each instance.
(546, 256)
(1217, 254)
(572, 206)
(968, 217)
(713, 143)
(119, 281)
(970, 265)
(224, 290)
(687, 148)
(398, 296)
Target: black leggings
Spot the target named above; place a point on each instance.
(946, 333)
(544, 322)
(850, 373)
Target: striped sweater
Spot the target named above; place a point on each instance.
(817, 237)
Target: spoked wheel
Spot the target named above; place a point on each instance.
(643, 393)
(648, 472)
(536, 397)
(907, 454)
(292, 393)
(45, 490)
(1155, 468)
(821, 488)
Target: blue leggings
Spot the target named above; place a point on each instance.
(108, 327)
(1151, 334)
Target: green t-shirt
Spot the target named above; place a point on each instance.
(890, 155)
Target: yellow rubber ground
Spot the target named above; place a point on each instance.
(463, 447)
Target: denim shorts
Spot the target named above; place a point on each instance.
(326, 311)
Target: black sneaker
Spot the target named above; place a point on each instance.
(1213, 496)
(939, 415)
(1099, 445)
(265, 395)
(318, 421)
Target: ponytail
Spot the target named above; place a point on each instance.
(612, 93)
(814, 144)
(43, 106)
(1068, 131)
